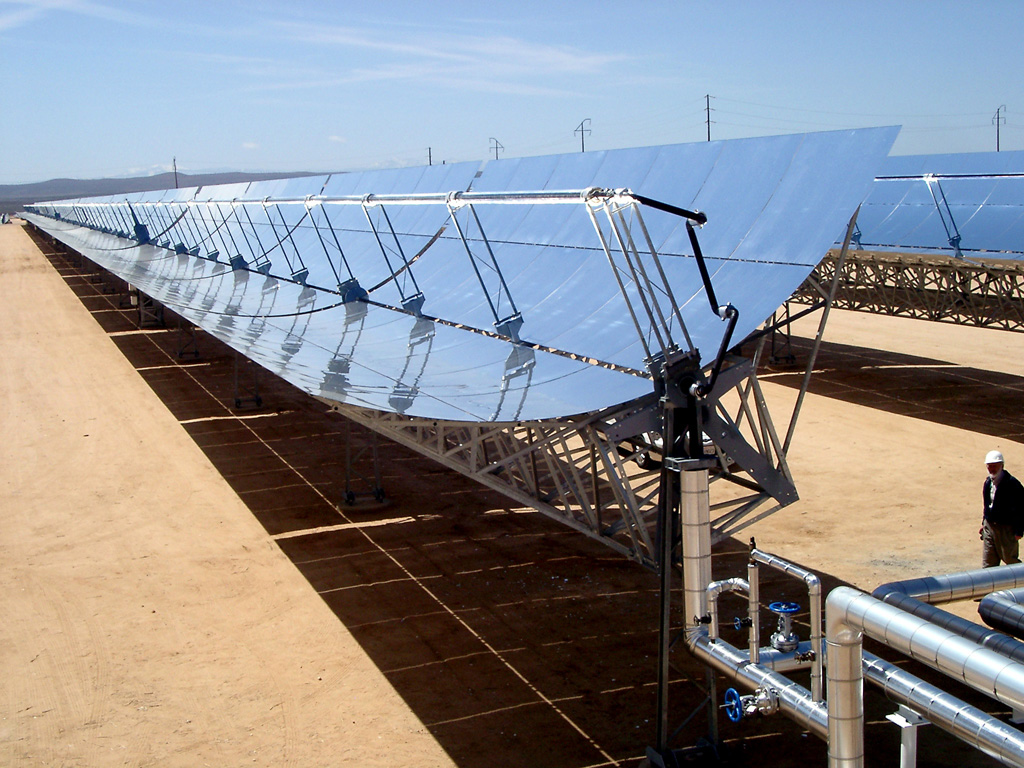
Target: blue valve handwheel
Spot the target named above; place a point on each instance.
(733, 705)
(781, 608)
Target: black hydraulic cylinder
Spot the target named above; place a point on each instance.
(675, 210)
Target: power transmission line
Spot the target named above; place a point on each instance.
(998, 119)
(582, 131)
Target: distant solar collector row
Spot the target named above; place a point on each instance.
(967, 203)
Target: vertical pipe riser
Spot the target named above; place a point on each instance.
(696, 542)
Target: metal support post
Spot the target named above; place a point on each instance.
(376, 487)
(151, 312)
(908, 721)
(666, 547)
(782, 337)
(247, 396)
(188, 343)
(684, 518)
(130, 298)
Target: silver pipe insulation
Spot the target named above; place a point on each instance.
(754, 612)
(850, 614)
(969, 724)
(786, 661)
(696, 531)
(919, 596)
(794, 699)
(957, 586)
(986, 637)
(814, 598)
(716, 588)
(770, 658)
(1004, 611)
(980, 668)
(845, 686)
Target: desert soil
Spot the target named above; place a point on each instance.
(183, 583)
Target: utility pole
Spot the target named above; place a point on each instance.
(430, 159)
(174, 163)
(999, 119)
(496, 145)
(707, 112)
(582, 131)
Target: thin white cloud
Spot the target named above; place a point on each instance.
(479, 50)
(337, 139)
(481, 62)
(19, 18)
(250, 145)
(29, 11)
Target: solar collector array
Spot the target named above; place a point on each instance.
(774, 206)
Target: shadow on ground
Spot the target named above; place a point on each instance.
(516, 641)
(908, 385)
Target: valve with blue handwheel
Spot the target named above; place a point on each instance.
(784, 639)
(763, 701)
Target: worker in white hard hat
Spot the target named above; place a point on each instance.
(1002, 526)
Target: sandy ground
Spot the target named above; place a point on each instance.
(147, 619)
(889, 458)
(182, 583)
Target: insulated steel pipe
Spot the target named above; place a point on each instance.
(957, 586)
(753, 611)
(845, 643)
(696, 530)
(919, 596)
(814, 598)
(1004, 610)
(769, 658)
(715, 589)
(794, 700)
(849, 613)
(969, 724)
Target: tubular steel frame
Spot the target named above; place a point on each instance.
(585, 474)
(986, 294)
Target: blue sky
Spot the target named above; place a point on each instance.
(95, 88)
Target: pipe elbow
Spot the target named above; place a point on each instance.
(839, 630)
(735, 584)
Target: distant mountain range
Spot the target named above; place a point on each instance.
(14, 197)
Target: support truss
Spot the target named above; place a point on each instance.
(987, 295)
(599, 474)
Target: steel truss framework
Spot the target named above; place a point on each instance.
(965, 292)
(598, 474)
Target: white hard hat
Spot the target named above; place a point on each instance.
(993, 457)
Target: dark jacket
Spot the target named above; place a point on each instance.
(1008, 506)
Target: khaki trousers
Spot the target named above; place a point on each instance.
(998, 542)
